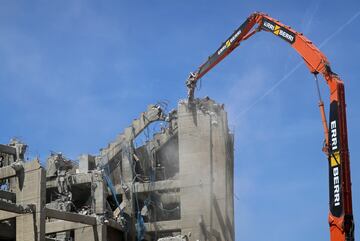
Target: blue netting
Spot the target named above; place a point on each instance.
(140, 227)
(112, 189)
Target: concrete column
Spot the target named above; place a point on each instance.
(194, 149)
(100, 193)
(203, 154)
(127, 175)
(30, 188)
(86, 163)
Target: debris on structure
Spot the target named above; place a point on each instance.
(176, 183)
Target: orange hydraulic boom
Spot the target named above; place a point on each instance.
(336, 140)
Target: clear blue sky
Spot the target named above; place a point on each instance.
(73, 74)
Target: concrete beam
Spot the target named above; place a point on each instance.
(156, 186)
(162, 226)
(76, 179)
(11, 207)
(149, 187)
(10, 196)
(62, 226)
(68, 216)
(4, 215)
(7, 172)
(7, 150)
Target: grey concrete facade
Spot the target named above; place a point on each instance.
(206, 176)
(177, 185)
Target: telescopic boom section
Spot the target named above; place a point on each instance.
(336, 144)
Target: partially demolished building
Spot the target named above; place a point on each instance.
(178, 185)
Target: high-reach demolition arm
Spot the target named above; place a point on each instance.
(336, 140)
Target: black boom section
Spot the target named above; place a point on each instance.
(224, 49)
(335, 172)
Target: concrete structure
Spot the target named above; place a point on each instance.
(177, 185)
(206, 172)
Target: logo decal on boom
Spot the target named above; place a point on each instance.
(335, 188)
(336, 178)
(229, 42)
(278, 30)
